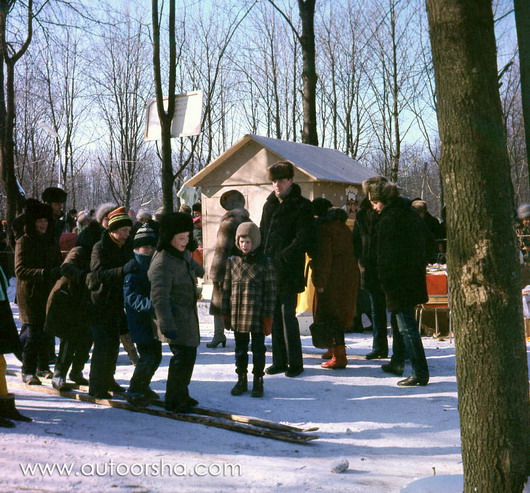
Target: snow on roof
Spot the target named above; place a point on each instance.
(319, 163)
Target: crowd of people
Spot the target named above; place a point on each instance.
(136, 282)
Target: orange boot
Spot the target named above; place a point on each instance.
(338, 360)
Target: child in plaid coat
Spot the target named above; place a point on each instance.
(249, 296)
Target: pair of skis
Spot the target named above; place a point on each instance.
(210, 417)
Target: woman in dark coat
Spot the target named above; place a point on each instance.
(67, 318)
(37, 267)
(174, 295)
(9, 343)
(233, 202)
(112, 259)
(402, 253)
(336, 279)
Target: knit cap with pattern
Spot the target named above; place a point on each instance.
(118, 218)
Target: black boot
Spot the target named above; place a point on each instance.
(5, 423)
(257, 387)
(8, 409)
(77, 377)
(241, 386)
(30, 379)
(59, 379)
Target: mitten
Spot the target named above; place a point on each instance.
(130, 266)
(266, 324)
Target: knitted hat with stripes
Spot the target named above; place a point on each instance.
(118, 218)
(145, 236)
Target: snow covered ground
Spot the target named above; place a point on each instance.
(390, 436)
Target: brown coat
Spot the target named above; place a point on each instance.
(335, 270)
(35, 259)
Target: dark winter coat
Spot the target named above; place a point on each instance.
(365, 245)
(335, 269)
(9, 341)
(225, 246)
(68, 311)
(174, 296)
(249, 291)
(287, 232)
(402, 252)
(90, 235)
(37, 261)
(105, 280)
(138, 304)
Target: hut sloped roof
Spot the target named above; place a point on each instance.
(319, 163)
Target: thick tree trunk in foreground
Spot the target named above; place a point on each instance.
(482, 255)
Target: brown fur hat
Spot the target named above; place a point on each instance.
(233, 199)
(379, 189)
(252, 231)
(280, 169)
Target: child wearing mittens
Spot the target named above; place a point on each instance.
(249, 296)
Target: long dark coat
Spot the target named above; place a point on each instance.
(68, 304)
(402, 253)
(365, 245)
(225, 246)
(249, 291)
(287, 232)
(335, 269)
(9, 341)
(174, 296)
(105, 280)
(35, 257)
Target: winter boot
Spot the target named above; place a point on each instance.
(5, 423)
(130, 348)
(257, 387)
(30, 379)
(338, 359)
(327, 355)
(77, 377)
(59, 379)
(241, 386)
(8, 409)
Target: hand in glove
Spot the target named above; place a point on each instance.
(266, 324)
(130, 266)
(53, 274)
(170, 334)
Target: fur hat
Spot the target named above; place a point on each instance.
(103, 211)
(419, 205)
(82, 216)
(379, 189)
(320, 206)
(233, 199)
(54, 194)
(118, 218)
(36, 210)
(279, 170)
(172, 224)
(523, 211)
(144, 214)
(145, 236)
(251, 230)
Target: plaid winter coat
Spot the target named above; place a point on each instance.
(249, 292)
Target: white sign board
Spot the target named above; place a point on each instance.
(186, 119)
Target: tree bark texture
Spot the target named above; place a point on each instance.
(522, 23)
(309, 73)
(492, 370)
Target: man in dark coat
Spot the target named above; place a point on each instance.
(402, 250)
(287, 230)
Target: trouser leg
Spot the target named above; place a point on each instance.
(148, 362)
(241, 352)
(408, 327)
(33, 348)
(104, 356)
(291, 330)
(258, 353)
(179, 375)
(378, 303)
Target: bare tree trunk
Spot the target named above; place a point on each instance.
(522, 22)
(492, 371)
(166, 116)
(7, 108)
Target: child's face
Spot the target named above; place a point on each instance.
(180, 241)
(245, 244)
(145, 250)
